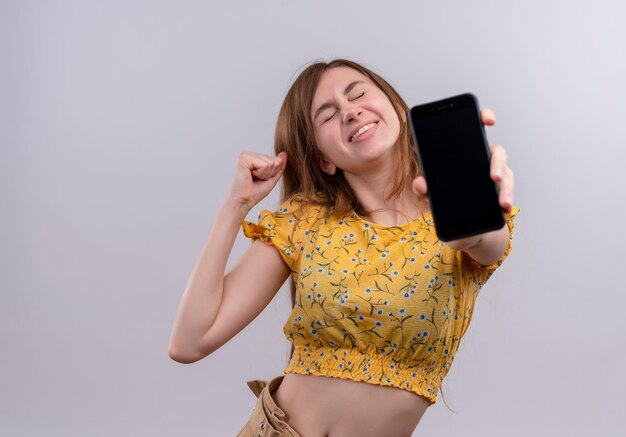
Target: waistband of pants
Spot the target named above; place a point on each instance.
(257, 386)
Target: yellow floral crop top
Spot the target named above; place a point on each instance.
(385, 305)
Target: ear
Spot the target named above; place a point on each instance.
(327, 167)
(403, 114)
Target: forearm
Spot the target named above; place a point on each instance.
(203, 295)
(485, 248)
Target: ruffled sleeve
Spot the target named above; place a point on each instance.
(479, 273)
(285, 229)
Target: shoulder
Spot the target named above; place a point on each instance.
(304, 207)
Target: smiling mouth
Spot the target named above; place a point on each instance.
(361, 131)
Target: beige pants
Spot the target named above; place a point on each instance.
(267, 419)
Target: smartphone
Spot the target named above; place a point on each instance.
(454, 158)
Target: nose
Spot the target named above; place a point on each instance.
(351, 114)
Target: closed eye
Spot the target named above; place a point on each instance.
(357, 97)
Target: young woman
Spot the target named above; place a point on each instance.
(379, 303)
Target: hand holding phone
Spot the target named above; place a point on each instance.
(501, 173)
(454, 155)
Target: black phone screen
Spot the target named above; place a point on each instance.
(455, 161)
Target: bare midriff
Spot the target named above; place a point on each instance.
(317, 406)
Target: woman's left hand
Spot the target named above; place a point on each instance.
(500, 172)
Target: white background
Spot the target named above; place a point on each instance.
(120, 126)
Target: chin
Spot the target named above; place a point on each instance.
(381, 149)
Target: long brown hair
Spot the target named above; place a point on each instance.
(294, 135)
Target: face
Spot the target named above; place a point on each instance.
(355, 123)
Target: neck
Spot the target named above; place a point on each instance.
(396, 213)
(373, 191)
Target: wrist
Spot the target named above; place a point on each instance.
(466, 243)
(235, 208)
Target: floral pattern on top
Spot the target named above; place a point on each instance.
(385, 305)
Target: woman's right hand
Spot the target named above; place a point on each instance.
(255, 176)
